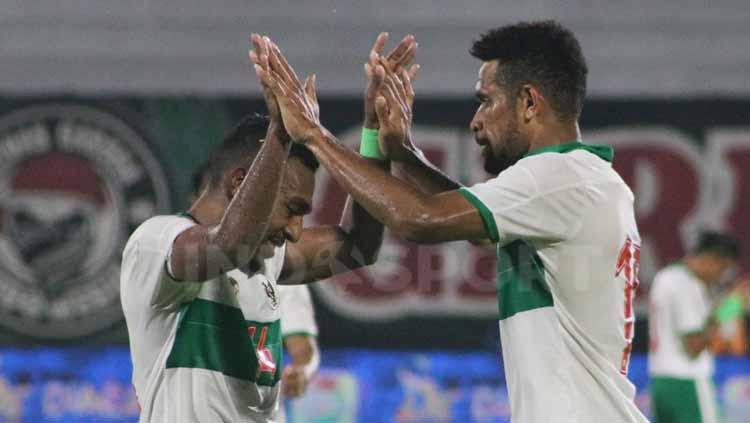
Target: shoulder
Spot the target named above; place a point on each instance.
(554, 171)
(158, 230)
(294, 293)
(668, 280)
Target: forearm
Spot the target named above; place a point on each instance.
(310, 362)
(695, 342)
(421, 173)
(304, 354)
(246, 219)
(325, 251)
(382, 195)
(364, 231)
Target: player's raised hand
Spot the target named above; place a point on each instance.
(259, 56)
(394, 110)
(297, 102)
(399, 58)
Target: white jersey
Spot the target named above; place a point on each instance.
(679, 304)
(298, 316)
(568, 250)
(202, 352)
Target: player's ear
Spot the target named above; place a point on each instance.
(234, 181)
(529, 102)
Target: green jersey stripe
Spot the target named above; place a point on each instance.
(217, 337)
(520, 280)
(489, 220)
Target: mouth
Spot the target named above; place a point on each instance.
(484, 146)
(482, 142)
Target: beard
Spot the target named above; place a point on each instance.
(506, 152)
(265, 250)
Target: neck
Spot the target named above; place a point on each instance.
(209, 208)
(554, 133)
(695, 266)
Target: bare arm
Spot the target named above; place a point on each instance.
(694, 343)
(325, 251)
(407, 211)
(409, 163)
(305, 356)
(420, 172)
(201, 252)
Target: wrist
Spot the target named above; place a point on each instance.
(369, 145)
(371, 123)
(315, 136)
(411, 154)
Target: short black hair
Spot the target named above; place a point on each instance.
(718, 243)
(305, 155)
(542, 53)
(241, 145)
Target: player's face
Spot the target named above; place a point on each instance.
(294, 202)
(495, 124)
(719, 268)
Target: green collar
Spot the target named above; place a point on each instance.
(604, 152)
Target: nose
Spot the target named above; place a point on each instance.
(293, 229)
(476, 123)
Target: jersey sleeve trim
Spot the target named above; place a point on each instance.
(299, 333)
(489, 220)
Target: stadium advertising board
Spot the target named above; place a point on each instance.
(688, 163)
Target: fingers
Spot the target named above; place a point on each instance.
(378, 76)
(397, 93)
(403, 52)
(259, 53)
(311, 93)
(381, 109)
(408, 56)
(408, 87)
(281, 65)
(315, 88)
(395, 81)
(413, 72)
(377, 47)
(268, 81)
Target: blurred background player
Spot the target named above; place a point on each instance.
(684, 323)
(299, 330)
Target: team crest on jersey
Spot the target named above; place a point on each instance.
(75, 182)
(271, 293)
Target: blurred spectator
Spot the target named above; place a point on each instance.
(684, 324)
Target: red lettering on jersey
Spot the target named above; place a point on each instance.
(265, 358)
(627, 265)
